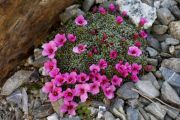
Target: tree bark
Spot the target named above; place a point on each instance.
(24, 24)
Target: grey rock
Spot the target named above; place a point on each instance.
(161, 38)
(160, 29)
(43, 96)
(147, 88)
(165, 16)
(56, 105)
(157, 110)
(125, 91)
(177, 47)
(171, 50)
(172, 113)
(167, 117)
(143, 102)
(175, 29)
(153, 42)
(144, 113)
(25, 101)
(149, 2)
(15, 81)
(37, 103)
(152, 52)
(43, 111)
(152, 117)
(15, 97)
(168, 3)
(158, 74)
(94, 111)
(117, 108)
(144, 10)
(71, 118)
(96, 104)
(178, 1)
(34, 76)
(170, 76)
(172, 41)
(172, 63)
(175, 11)
(132, 114)
(164, 46)
(152, 61)
(133, 103)
(165, 55)
(152, 78)
(177, 53)
(108, 116)
(54, 116)
(100, 1)
(87, 4)
(169, 94)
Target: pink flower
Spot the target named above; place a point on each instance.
(134, 78)
(71, 78)
(134, 51)
(80, 20)
(48, 87)
(104, 81)
(80, 48)
(94, 88)
(69, 107)
(60, 40)
(142, 21)
(113, 54)
(136, 36)
(143, 34)
(122, 69)
(55, 94)
(102, 10)
(119, 19)
(81, 90)
(135, 68)
(124, 13)
(112, 7)
(50, 65)
(96, 77)
(68, 94)
(82, 78)
(116, 80)
(71, 37)
(54, 72)
(59, 80)
(137, 44)
(94, 68)
(102, 64)
(109, 91)
(49, 49)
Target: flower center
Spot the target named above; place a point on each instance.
(69, 94)
(82, 91)
(55, 93)
(69, 107)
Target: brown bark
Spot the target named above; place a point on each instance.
(23, 26)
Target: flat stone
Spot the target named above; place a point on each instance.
(160, 29)
(15, 97)
(153, 42)
(175, 11)
(147, 88)
(169, 94)
(168, 3)
(144, 10)
(157, 110)
(165, 16)
(170, 76)
(152, 52)
(172, 112)
(15, 81)
(172, 63)
(172, 41)
(132, 114)
(152, 78)
(125, 91)
(108, 116)
(87, 4)
(175, 29)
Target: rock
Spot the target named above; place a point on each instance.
(152, 78)
(34, 76)
(157, 4)
(172, 63)
(15, 81)
(94, 111)
(125, 91)
(144, 10)
(170, 76)
(152, 117)
(152, 52)
(152, 61)
(169, 94)
(108, 116)
(25, 101)
(175, 29)
(164, 46)
(172, 113)
(172, 41)
(100, 1)
(96, 104)
(87, 4)
(157, 110)
(158, 74)
(26, 30)
(177, 53)
(171, 50)
(56, 106)
(165, 55)
(153, 42)
(15, 97)
(147, 88)
(165, 16)
(132, 114)
(168, 3)
(160, 29)
(117, 108)
(175, 10)
(43, 111)
(178, 1)
(54, 116)
(71, 118)
(43, 96)
(149, 2)
(133, 103)
(167, 117)
(144, 113)
(70, 12)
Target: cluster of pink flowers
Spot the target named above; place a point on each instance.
(68, 86)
